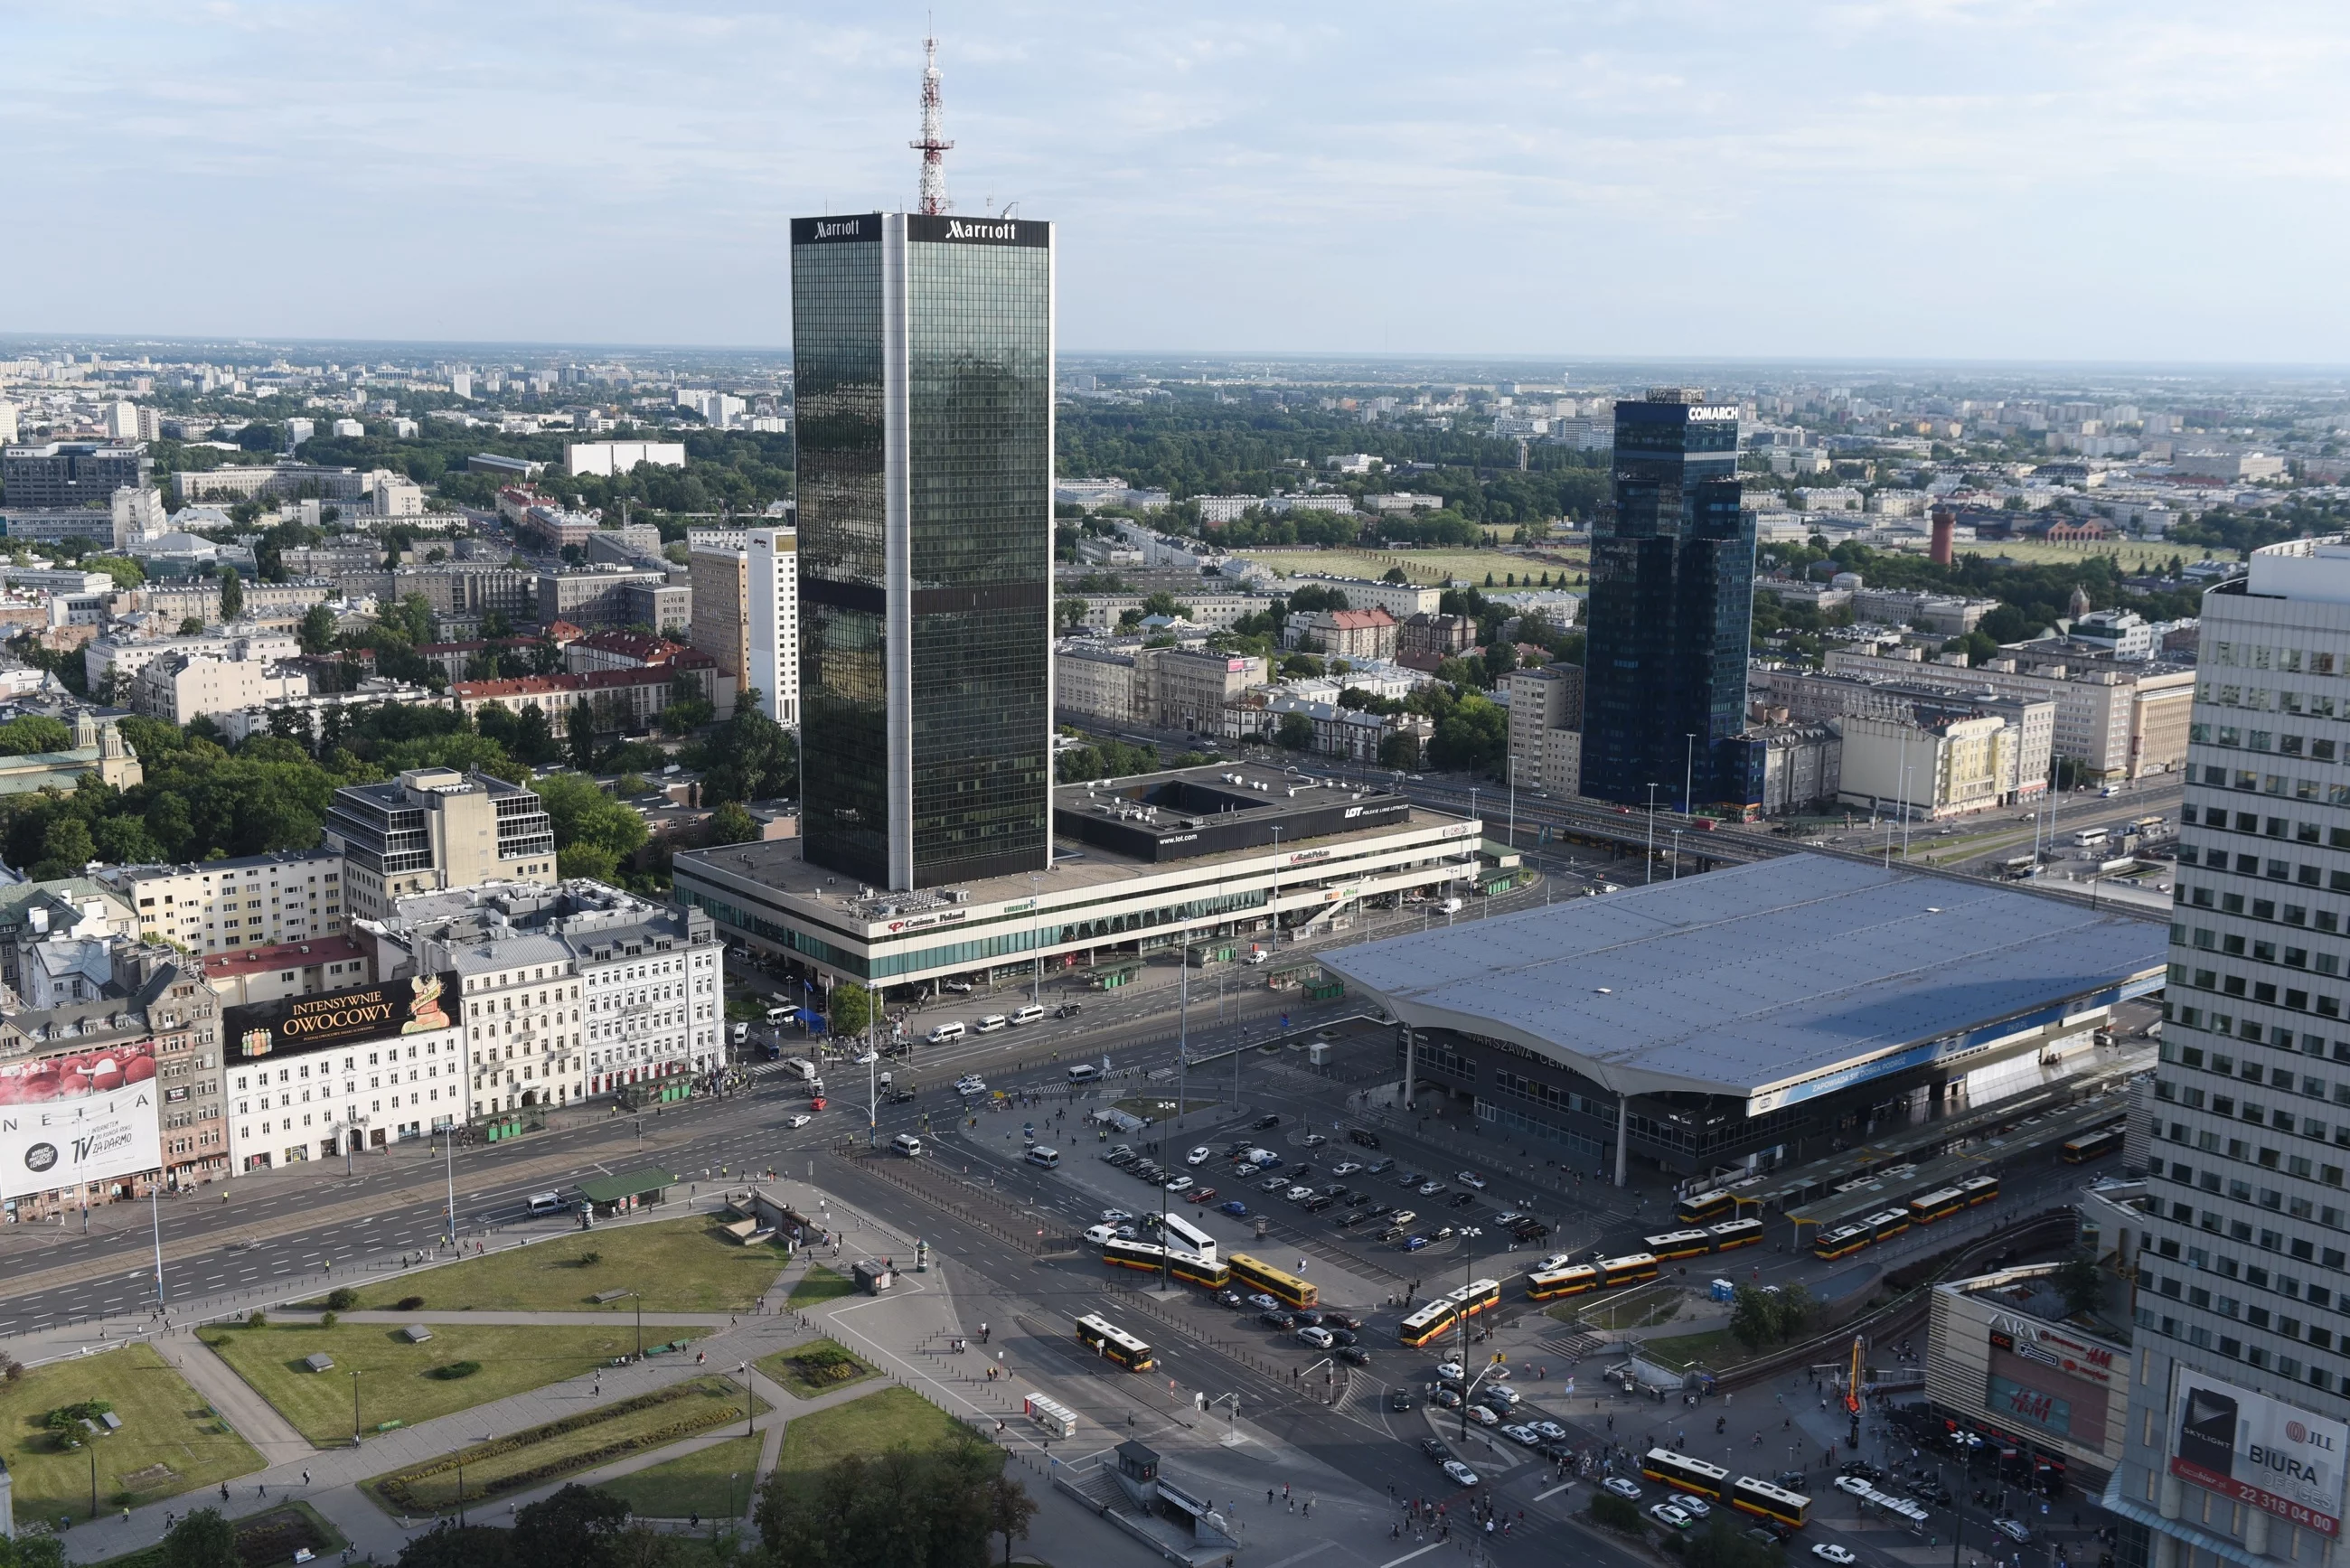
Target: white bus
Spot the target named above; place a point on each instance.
(1191, 1238)
(2089, 838)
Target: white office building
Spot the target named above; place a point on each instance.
(773, 616)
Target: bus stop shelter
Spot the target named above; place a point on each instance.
(611, 1195)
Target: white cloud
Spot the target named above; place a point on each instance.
(2024, 177)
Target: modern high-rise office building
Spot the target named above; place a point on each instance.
(2238, 1388)
(771, 593)
(922, 367)
(1672, 569)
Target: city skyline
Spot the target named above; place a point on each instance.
(1995, 180)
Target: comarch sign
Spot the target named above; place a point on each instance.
(2258, 1450)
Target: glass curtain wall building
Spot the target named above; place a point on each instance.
(922, 357)
(1672, 570)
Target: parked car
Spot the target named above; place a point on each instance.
(1829, 1551)
(1379, 1166)
(1202, 1195)
(1278, 1319)
(1461, 1200)
(1182, 1184)
(2015, 1530)
(1236, 1208)
(1671, 1515)
(1319, 1339)
(1524, 1435)
(1274, 1184)
(1364, 1138)
(1483, 1416)
(1318, 1202)
(1622, 1488)
(1263, 1302)
(1696, 1507)
(1470, 1179)
(1445, 1398)
(1430, 1188)
(1315, 1140)
(1231, 1299)
(1550, 1430)
(1199, 1155)
(1121, 1154)
(1412, 1243)
(1353, 1354)
(1347, 1167)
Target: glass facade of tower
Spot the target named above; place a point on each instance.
(922, 352)
(1672, 569)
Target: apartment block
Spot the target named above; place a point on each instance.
(252, 901)
(432, 828)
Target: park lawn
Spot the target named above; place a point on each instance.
(394, 1384)
(871, 1426)
(820, 1285)
(286, 1525)
(687, 1264)
(1712, 1349)
(779, 1368)
(715, 1482)
(165, 1422)
(715, 1405)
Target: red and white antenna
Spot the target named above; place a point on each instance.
(932, 148)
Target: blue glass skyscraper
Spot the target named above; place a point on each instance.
(1672, 594)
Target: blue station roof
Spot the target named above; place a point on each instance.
(1773, 982)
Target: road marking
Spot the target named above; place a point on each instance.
(1317, 1546)
(1552, 1491)
(1410, 1555)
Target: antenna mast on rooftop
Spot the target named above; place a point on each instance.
(932, 148)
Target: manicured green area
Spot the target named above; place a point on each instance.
(593, 1437)
(165, 1423)
(872, 1425)
(272, 1535)
(715, 1482)
(1712, 1349)
(1423, 566)
(396, 1381)
(808, 1370)
(820, 1285)
(688, 1264)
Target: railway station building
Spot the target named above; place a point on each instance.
(1757, 1016)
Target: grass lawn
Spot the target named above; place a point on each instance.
(682, 1265)
(393, 1381)
(820, 1285)
(543, 1454)
(1423, 566)
(1714, 1349)
(872, 1425)
(780, 1368)
(272, 1536)
(170, 1441)
(715, 1482)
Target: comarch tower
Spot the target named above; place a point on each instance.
(922, 362)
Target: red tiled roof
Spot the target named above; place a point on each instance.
(1360, 619)
(284, 955)
(634, 644)
(593, 680)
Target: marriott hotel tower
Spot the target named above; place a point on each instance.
(922, 362)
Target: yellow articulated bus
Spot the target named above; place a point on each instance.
(1630, 1269)
(1146, 1257)
(1111, 1343)
(1765, 1500)
(1679, 1244)
(1285, 1288)
(1431, 1321)
(1735, 1233)
(1939, 1204)
(1571, 1281)
(1685, 1473)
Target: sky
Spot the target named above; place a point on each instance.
(2136, 181)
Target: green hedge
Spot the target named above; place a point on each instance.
(397, 1488)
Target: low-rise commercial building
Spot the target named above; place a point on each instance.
(1188, 690)
(2010, 1358)
(1093, 679)
(432, 828)
(1347, 633)
(1237, 852)
(310, 1077)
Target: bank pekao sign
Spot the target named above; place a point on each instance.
(2258, 1450)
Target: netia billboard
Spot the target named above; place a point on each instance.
(87, 1117)
(2259, 1450)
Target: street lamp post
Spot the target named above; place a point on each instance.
(1652, 834)
(354, 1408)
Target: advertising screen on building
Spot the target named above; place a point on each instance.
(88, 1117)
(2258, 1450)
(295, 1023)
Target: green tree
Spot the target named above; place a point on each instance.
(1009, 1509)
(34, 733)
(203, 1540)
(191, 626)
(578, 1527)
(316, 632)
(848, 1010)
(749, 757)
(1400, 752)
(126, 574)
(232, 594)
(580, 725)
(65, 848)
(584, 815)
(1294, 733)
(732, 823)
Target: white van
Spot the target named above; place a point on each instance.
(1032, 1013)
(908, 1145)
(1048, 1158)
(992, 1023)
(1084, 1073)
(545, 1203)
(953, 1030)
(1098, 1234)
(776, 1015)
